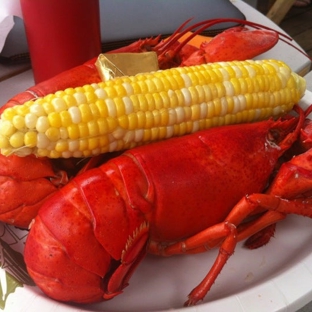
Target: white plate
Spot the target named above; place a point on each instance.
(276, 277)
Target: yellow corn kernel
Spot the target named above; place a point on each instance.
(53, 134)
(65, 118)
(5, 144)
(17, 139)
(55, 119)
(73, 132)
(7, 128)
(61, 146)
(9, 113)
(102, 126)
(93, 128)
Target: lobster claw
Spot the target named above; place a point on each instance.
(227, 46)
(19, 177)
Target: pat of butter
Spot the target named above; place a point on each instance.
(111, 65)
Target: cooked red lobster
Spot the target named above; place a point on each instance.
(124, 208)
(165, 198)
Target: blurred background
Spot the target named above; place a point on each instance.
(296, 22)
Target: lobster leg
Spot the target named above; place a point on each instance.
(278, 209)
(224, 232)
(228, 230)
(225, 251)
(261, 238)
(203, 241)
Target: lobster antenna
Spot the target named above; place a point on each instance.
(172, 39)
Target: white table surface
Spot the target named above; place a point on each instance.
(296, 61)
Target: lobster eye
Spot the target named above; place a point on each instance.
(273, 135)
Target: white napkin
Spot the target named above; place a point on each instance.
(8, 9)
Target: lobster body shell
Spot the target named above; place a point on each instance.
(198, 178)
(176, 188)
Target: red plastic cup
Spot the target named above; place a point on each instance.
(61, 34)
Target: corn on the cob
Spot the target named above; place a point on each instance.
(131, 111)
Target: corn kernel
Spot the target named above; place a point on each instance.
(55, 120)
(129, 90)
(102, 126)
(65, 118)
(54, 154)
(195, 112)
(93, 128)
(42, 124)
(53, 134)
(91, 96)
(149, 120)
(59, 104)
(48, 108)
(36, 139)
(18, 122)
(93, 144)
(75, 114)
(83, 144)
(73, 132)
(61, 146)
(83, 130)
(63, 133)
(112, 124)
(7, 128)
(111, 92)
(138, 135)
(204, 110)
(37, 110)
(141, 118)
(80, 98)
(123, 121)
(120, 107)
(8, 114)
(94, 111)
(73, 145)
(30, 121)
(20, 110)
(17, 139)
